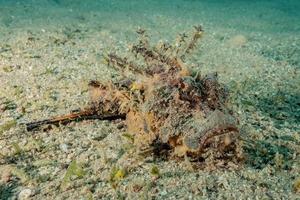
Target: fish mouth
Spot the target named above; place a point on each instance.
(216, 124)
(196, 144)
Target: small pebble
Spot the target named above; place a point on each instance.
(64, 147)
(6, 175)
(238, 41)
(25, 194)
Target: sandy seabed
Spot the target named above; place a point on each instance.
(49, 50)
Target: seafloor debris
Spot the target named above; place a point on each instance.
(167, 106)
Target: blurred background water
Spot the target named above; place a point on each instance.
(281, 16)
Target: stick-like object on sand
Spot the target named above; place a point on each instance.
(76, 116)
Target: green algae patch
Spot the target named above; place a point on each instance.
(8, 125)
(74, 170)
(8, 69)
(7, 105)
(21, 174)
(129, 137)
(13, 170)
(17, 148)
(116, 175)
(154, 171)
(296, 185)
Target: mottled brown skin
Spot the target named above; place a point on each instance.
(163, 103)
